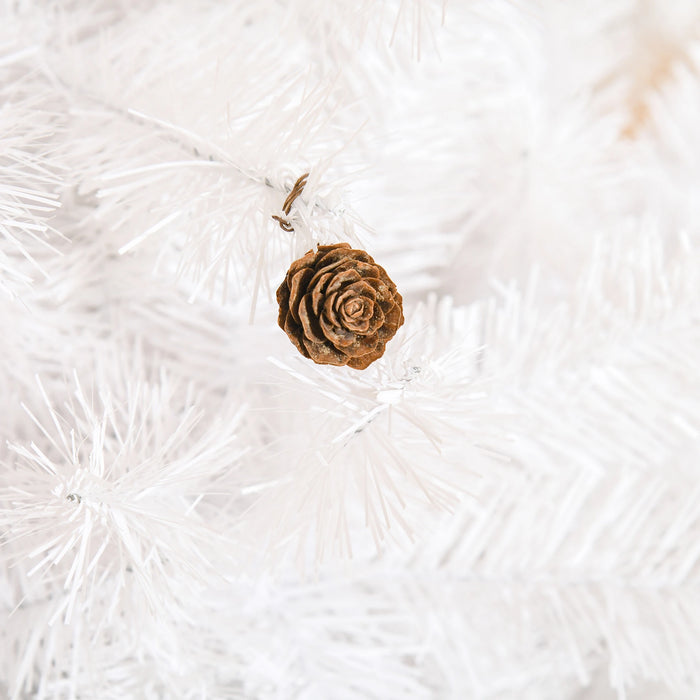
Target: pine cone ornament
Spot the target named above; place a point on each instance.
(339, 307)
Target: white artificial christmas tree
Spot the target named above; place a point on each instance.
(505, 505)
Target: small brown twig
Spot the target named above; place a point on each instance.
(287, 206)
(284, 224)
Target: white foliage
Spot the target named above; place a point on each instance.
(107, 505)
(379, 440)
(505, 505)
(31, 167)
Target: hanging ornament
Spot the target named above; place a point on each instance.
(339, 307)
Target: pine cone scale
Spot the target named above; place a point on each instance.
(298, 285)
(341, 279)
(310, 321)
(291, 328)
(319, 290)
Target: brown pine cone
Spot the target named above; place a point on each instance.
(339, 307)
